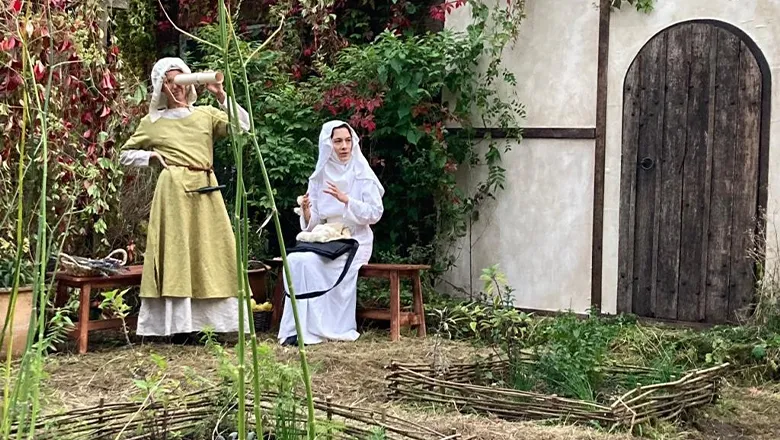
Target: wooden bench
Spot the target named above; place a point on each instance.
(128, 277)
(392, 272)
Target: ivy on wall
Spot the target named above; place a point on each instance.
(645, 6)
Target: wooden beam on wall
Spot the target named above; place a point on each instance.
(539, 133)
(600, 155)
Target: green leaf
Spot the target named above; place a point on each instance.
(758, 352)
(396, 65)
(413, 135)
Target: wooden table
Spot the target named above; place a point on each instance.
(129, 276)
(392, 272)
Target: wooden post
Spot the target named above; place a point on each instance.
(278, 299)
(417, 304)
(104, 17)
(61, 298)
(395, 306)
(83, 330)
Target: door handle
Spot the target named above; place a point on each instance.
(647, 163)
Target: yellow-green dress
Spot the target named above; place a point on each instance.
(189, 278)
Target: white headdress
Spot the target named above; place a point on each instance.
(357, 163)
(159, 101)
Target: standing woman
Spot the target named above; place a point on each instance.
(342, 189)
(189, 278)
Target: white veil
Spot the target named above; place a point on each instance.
(358, 162)
(159, 101)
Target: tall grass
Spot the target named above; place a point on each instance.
(21, 400)
(228, 44)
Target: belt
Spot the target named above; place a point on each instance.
(208, 170)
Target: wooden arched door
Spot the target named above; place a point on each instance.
(693, 176)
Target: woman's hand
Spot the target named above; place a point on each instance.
(217, 90)
(334, 191)
(306, 206)
(159, 158)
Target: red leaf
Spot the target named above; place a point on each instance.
(7, 44)
(16, 5)
(39, 69)
(88, 134)
(65, 45)
(11, 83)
(106, 111)
(87, 118)
(106, 83)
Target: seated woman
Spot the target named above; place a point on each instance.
(342, 189)
(189, 278)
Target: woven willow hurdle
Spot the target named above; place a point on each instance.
(460, 385)
(193, 412)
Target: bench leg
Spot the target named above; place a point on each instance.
(61, 297)
(278, 299)
(417, 304)
(83, 327)
(395, 307)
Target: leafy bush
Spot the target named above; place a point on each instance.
(8, 270)
(87, 97)
(570, 362)
(399, 92)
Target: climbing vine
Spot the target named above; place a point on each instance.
(645, 6)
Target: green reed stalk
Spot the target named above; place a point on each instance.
(7, 408)
(252, 333)
(28, 380)
(239, 223)
(42, 256)
(275, 212)
(241, 199)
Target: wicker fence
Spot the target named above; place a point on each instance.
(460, 385)
(195, 412)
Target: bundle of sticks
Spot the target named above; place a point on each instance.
(82, 266)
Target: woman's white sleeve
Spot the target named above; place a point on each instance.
(135, 158)
(368, 209)
(243, 116)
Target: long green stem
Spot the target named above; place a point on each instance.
(283, 251)
(252, 332)
(7, 409)
(241, 263)
(42, 257)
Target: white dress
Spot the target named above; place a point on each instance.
(167, 316)
(332, 316)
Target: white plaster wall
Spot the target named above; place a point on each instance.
(554, 61)
(540, 229)
(629, 31)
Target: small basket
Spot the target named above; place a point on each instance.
(262, 321)
(87, 267)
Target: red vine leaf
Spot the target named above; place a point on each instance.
(39, 70)
(7, 44)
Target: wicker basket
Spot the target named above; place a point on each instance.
(262, 321)
(87, 267)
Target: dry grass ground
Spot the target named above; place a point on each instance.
(353, 374)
